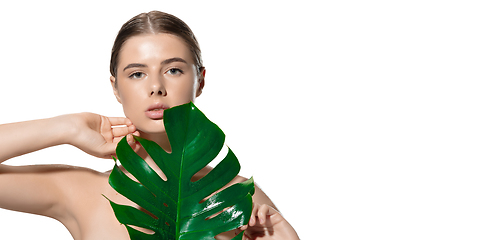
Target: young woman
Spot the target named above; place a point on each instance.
(156, 64)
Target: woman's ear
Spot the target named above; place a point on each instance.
(201, 82)
(113, 81)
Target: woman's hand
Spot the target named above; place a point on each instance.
(267, 223)
(99, 135)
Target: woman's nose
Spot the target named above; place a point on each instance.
(159, 92)
(157, 88)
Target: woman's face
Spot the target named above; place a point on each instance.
(155, 72)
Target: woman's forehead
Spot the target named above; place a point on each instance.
(154, 47)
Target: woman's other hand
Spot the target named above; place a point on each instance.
(99, 135)
(266, 223)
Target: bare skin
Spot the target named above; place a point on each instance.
(73, 195)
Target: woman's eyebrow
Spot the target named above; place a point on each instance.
(133, 65)
(164, 62)
(175, 59)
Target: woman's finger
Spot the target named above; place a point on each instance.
(123, 131)
(116, 121)
(120, 131)
(254, 215)
(132, 142)
(130, 139)
(262, 213)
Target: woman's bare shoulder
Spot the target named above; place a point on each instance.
(44, 189)
(56, 174)
(45, 168)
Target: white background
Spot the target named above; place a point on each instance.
(360, 119)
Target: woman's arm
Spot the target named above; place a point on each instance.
(25, 137)
(90, 132)
(40, 189)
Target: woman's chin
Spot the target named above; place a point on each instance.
(152, 128)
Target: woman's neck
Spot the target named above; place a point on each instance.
(160, 138)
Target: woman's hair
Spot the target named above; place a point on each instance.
(151, 23)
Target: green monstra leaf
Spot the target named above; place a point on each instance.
(177, 203)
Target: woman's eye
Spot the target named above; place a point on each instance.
(175, 71)
(136, 75)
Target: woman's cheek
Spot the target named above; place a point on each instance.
(129, 113)
(184, 94)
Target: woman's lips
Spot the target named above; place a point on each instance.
(155, 111)
(155, 114)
